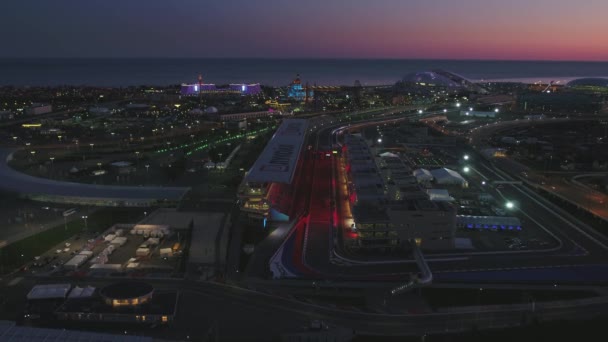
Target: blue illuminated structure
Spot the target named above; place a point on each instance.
(297, 92)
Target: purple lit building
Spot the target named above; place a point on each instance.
(240, 89)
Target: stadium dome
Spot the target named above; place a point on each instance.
(588, 82)
(430, 78)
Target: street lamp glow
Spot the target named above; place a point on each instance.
(379, 140)
(510, 205)
(466, 157)
(458, 104)
(445, 110)
(483, 182)
(496, 110)
(466, 169)
(419, 111)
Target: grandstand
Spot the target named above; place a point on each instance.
(267, 189)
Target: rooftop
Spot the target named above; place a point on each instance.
(278, 161)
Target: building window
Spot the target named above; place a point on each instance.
(164, 319)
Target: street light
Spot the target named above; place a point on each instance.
(419, 111)
(86, 226)
(466, 169)
(379, 140)
(510, 205)
(458, 104)
(466, 157)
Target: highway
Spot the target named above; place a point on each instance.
(269, 313)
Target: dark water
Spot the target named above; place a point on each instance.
(125, 72)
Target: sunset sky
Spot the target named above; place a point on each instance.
(445, 29)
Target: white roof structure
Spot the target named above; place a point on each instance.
(447, 176)
(119, 240)
(389, 155)
(423, 175)
(278, 161)
(151, 227)
(49, 291)
(110, 267)
(76, 261)
(440, 195)
(82, 292)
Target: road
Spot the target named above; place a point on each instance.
(261, 315)
(580, 245)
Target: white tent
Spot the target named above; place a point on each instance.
(423, 175)
(120, 241)
(449, 177)
(76, 261)
(108, 267)
(440, 195)
(49, 291)
(82, 292)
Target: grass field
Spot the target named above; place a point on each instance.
(16, 254)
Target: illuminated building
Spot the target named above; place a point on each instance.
(234, 89)
(267, 189)
(127, 294)
(389, 208)
(298, 92)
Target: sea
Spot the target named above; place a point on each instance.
(275, 72)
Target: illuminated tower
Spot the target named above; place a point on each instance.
(200, 89)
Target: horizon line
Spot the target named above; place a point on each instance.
(314, 58)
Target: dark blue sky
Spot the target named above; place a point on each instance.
(476, 29)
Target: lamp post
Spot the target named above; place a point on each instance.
(86, 226)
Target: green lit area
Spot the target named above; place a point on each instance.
(203, 144)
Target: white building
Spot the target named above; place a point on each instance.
(446, 176)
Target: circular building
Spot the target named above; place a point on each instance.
(127, 293)
(593, 84)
